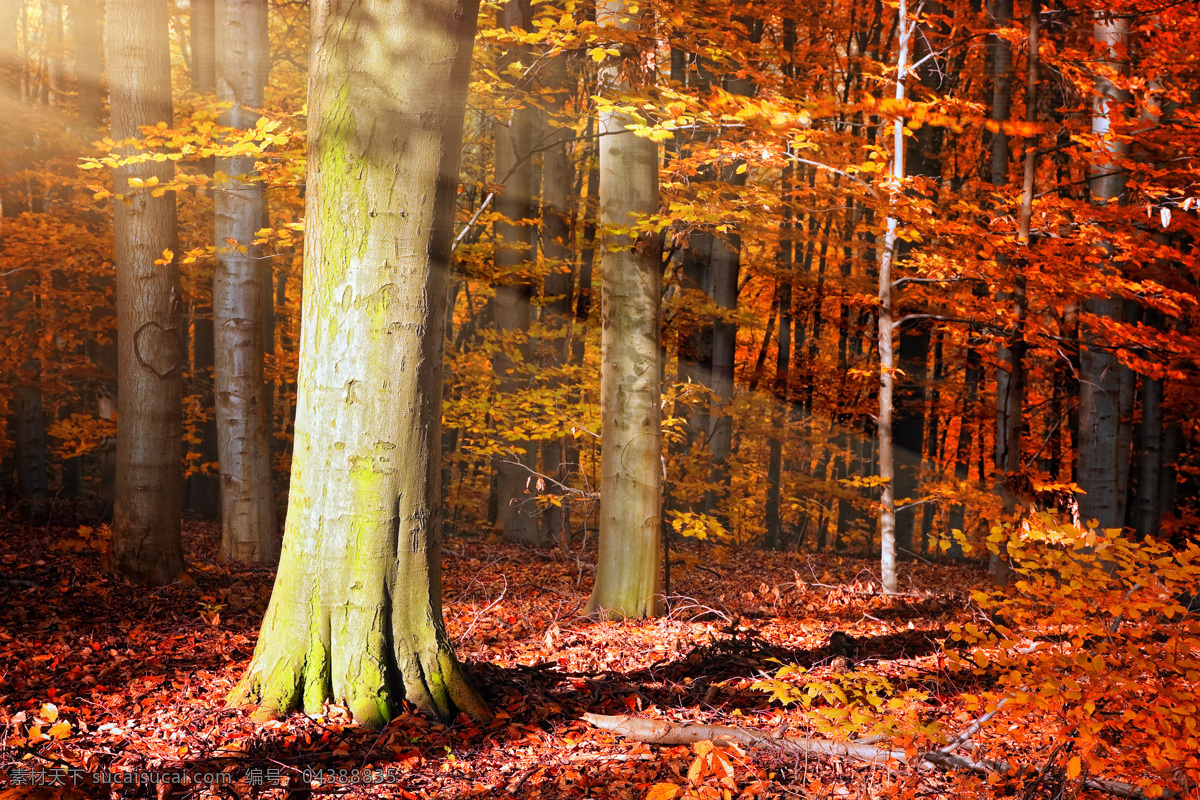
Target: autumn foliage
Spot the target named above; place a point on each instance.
(1044, 415)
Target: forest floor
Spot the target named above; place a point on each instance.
(105, 678)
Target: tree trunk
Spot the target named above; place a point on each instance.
(887, 356)
(1100, 375)
(202, 490)
(516, 509)
(355, 616)
(248, 529)
(203, 41)
(628, 574)
(783, 357)
(1010, 376)
(145, 547)
(557, 180)
(52, 31)
(1150, 440)
(11, 67)
(89, 67)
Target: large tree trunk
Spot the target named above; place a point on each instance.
(1100, 375)
(145, 531)
(248, 530)
(628, 573)
(356, 616)
(516, 515)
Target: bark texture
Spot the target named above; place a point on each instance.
(1100, 467)
(628, 574)
(145, 547)
(203, 41)
(887, 354)
(248, 529)
(558, 176)
(355, 616)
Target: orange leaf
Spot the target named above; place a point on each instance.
(662, 791)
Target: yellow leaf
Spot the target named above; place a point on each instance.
(1074, 767)
(49, 712)
(60, 730)
(741, 168)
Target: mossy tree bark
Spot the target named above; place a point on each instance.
(628, 573)
(355, 616)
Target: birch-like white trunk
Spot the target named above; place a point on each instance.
(887, 325)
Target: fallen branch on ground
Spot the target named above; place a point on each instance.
(656, 731)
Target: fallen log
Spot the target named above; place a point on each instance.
(657, 731)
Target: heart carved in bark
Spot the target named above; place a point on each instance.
(158, 349)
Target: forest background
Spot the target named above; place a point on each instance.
(1016, 293)
(777, 188)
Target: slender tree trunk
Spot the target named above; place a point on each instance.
(1100, 374)
(89, 65)
(1148, 513)
(202, 489)
(999, 52)
(557, 179)
(1010, 378)
(355, 616)
(783, 286)
(932, 434)
(967, 432)
(516, 509)
(29, 417)
(52, 36)
(248, 529)
(1168, 481)
(628, 568)
(887, 356)
(145, 545)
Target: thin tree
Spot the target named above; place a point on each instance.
(248, 530)
(355, 616)
(146, 545)
(515, 509)
(628, 573)
(85, 24)
(887, 326)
